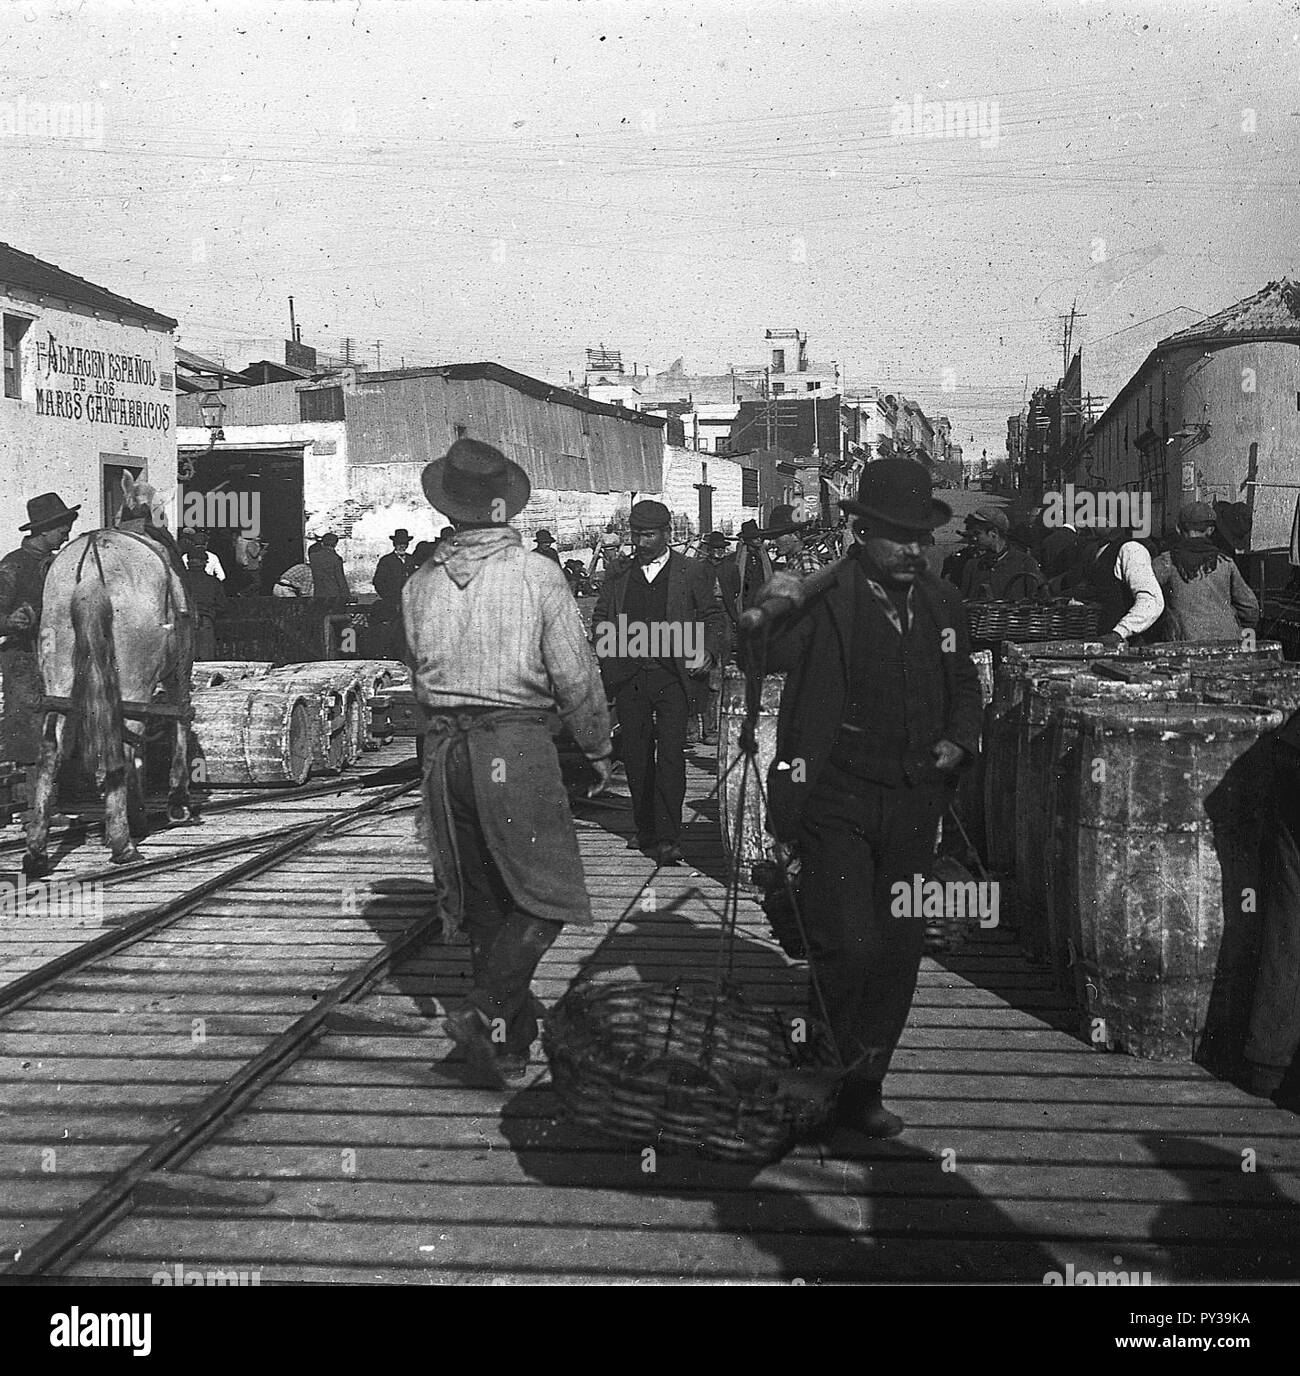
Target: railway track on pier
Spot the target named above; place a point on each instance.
(85, 894)
(156, 1032)
(91, 822)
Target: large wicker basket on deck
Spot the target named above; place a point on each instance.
(1032, 620)
(688, 1068)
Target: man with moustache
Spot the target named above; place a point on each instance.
(881, 709)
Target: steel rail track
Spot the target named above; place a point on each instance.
(316, 788)
(162, 915)
(112, 875)
(77, 1232)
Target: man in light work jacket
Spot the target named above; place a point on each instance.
(881, 708)
(657, 623)
(1206, 598)
(496, 646)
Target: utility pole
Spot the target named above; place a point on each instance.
(1067, 334)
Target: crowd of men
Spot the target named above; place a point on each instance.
(879, 718)
(1188, 586)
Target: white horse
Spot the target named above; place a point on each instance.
(115, 625)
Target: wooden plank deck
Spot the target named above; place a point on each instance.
(371, 1159)
(75, 910)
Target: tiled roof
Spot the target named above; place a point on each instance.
(18, 269)
(1271, 312)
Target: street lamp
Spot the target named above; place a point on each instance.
(213, 411)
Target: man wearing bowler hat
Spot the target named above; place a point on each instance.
(881, 708)
(391, 573)
(496, 648)
(658, 625)
(546, 546)
(22, 585)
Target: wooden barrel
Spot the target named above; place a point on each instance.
(341, 685)
(374, 675)
(968, 804)
(1017, 659)
(1194, 650)
(1036, 799)
(742, 790)
(1002, 721)
(209, 673)
(252, 734)
(1172, 804)
(1241, 682)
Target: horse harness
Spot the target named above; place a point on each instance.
(92, 546)
(170, 610)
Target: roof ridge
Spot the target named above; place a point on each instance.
(91, 289)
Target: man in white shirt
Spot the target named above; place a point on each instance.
(1120, 577)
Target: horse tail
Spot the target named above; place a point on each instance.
(96, 687)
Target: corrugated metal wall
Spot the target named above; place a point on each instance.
(274, 404)
(414, 420)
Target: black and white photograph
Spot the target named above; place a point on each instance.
(650, 646)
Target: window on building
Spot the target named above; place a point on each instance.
(722, 444)
(778, 360)
(15, 328)
(814, 386)
(749, 487)
(778, 388)
(320, 403)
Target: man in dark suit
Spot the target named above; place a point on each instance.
(658, 622)
(880, 710)
(391, 573)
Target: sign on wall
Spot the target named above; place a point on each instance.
(101, 386)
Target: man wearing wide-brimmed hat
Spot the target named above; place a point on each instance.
(497, 647)
(22, 584)
(880, 710)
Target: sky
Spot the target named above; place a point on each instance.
(519, 181)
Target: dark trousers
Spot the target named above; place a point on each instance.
(858, 839)
(1275, 1019)
(205, 639)
(652, 709)
(505, 942)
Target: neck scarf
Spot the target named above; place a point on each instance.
(1194, 558)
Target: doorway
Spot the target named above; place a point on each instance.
(112, 469)
(267, 483)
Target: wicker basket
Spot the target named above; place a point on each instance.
(1024, 621)
(686, 1068)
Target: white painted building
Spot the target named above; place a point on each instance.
(88, 393)
(730, 486)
